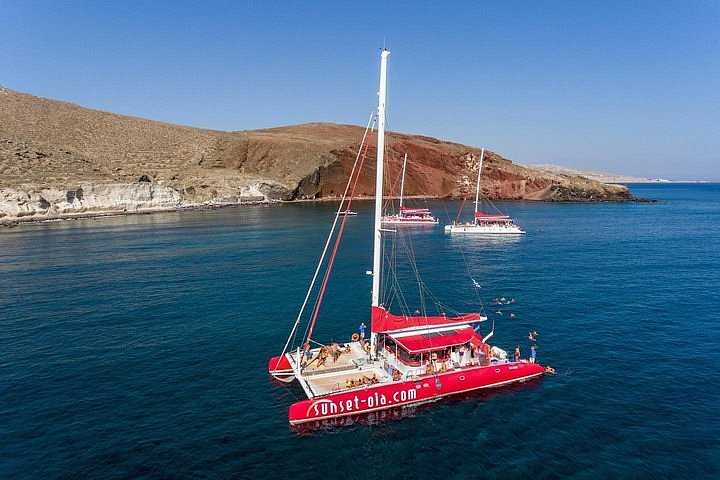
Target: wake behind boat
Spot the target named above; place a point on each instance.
(409, 359)
(485, 223)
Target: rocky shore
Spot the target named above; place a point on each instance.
(59, 160)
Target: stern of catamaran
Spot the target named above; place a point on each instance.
(281, 369)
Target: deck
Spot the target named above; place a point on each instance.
(334, 376)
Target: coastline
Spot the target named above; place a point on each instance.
(14, 221)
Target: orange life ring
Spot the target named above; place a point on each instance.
(355, 337)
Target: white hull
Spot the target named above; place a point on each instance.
(484, 229)
(286, 377)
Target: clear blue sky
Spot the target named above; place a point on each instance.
(629, 87)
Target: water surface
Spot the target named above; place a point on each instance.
(136, 347)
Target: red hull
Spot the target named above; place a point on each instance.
(425, 389)
(279, 363)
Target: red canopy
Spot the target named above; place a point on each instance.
(435, 340)
(384, 321)
(487, 216)
(414, 210)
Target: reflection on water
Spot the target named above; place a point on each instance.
(483, 241)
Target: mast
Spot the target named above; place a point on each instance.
(377, 245)
(477, 191)
(402, 182)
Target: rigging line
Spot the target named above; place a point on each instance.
(397, 289)
(412, 260)
(392, 188)
(327, 243)
(424, 290)
(447, 213)
(393, 279)
(416, 271)
(318, 343)
(333, 255)
(469, 273)
(389, 254)
(457, 219)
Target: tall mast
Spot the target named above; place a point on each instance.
(477, 190)
(402, 182)
(377, 245)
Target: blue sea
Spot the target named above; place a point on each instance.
(137, 346)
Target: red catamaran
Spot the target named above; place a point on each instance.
(407, 359)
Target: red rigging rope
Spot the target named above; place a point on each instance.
(316, 311)
(291, 337)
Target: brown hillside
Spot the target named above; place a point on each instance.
(50, 144)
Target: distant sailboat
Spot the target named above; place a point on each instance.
(485, 223)
(409, 216)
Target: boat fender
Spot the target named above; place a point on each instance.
(355, 337)
(438, 385)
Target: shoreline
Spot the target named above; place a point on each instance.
(30, 219)
(16, 221)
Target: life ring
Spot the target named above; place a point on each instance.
(355, 337)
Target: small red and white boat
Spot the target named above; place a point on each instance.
(406, 360)
(485, 223)
(409, 216)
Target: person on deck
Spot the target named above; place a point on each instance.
(532, 354)
(517, 353)
(362, 330)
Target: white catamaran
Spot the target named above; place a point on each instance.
(485, 223)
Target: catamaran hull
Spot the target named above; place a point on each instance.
(477, 230)
(409, 222)
(425, 389)
(280, 368)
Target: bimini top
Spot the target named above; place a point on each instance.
(385, 322)
(487, 216)
(434, 338)
(414, 210)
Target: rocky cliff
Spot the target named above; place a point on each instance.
(60, 159)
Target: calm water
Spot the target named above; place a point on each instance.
(136, 347)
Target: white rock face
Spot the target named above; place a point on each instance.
(18, 204)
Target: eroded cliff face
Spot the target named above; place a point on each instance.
(105, 198)
(121, 164)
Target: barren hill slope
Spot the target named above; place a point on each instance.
(58, 158)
